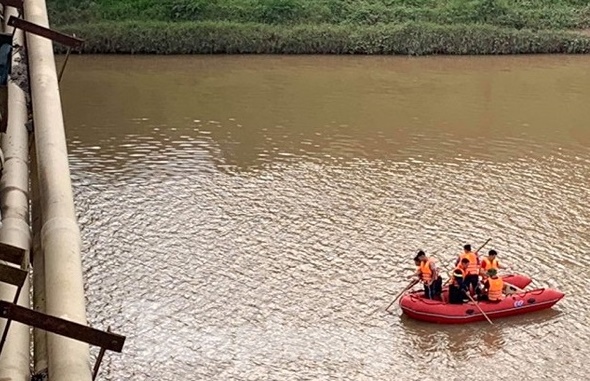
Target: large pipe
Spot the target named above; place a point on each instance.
(68, 360)
(39, 335)
(14, 201)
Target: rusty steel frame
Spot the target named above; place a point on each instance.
(18, 4)
(105, 340)
(63, 66)
(63, 327)
(64, 39)
(12, 275)
(99, 359)
(15, 277)
(12, 254)
(39, 30)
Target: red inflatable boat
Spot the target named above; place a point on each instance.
(415, 306)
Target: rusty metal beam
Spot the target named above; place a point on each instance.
(51, 34)
(99, 359)
(110, 341)
(18, 4)
(7, 326)
(12, 275)
(12, 254)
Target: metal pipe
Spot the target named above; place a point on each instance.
(14, 201)
(68, 360)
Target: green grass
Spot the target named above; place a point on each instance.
(518, 14)
(326, 26)
(240, 38)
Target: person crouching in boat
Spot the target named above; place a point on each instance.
(472, 277)
(493, 287)
(458, 286)
(428, 274)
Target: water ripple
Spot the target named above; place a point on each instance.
(276, 261)
(289, 267)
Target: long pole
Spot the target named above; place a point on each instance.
(476, 251)
(412, 284)
(478, 307)
(482, 246)
(14, 202)
(68, 360)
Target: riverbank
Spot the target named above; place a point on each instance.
(411, 38)
(415, 27)
(516, 14)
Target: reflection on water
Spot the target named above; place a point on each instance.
(251, 217)
(462, 342)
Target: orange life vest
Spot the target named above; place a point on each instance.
(490, 264)
(473, 267)
(495, 290)
(425, 270)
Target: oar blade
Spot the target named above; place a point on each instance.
(412, 284)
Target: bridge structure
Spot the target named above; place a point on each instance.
(43, 325)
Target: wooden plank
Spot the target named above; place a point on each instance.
(107, 340)
(12, 275)
(18, 4)
(12, 254)
(39, 30)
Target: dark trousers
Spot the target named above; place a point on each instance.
(456, 294)
(472, 280)
(434, 290)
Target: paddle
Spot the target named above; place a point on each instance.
(485, 243)
(476, 251)
(478, 307)
(412, 284)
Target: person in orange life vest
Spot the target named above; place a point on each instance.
(493, 287)
(458, 287)
(490, 262)
(428, 274)
(472, 277)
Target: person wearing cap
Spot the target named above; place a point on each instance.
(490, 262)
(427, 272)
(458, 285)
(472, 277)
(493, 287)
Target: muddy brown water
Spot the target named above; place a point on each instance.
(250, 217)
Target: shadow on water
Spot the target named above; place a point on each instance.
(459, 340)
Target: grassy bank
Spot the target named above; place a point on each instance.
(412, 39)
(326, 26)
(518, 14)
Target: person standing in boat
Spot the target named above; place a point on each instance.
(493, 287)
(472, 277)
(490, 262)
(458, 286)
(429, 275)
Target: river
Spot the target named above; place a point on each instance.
(250, 217)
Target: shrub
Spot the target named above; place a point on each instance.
(407, 39)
